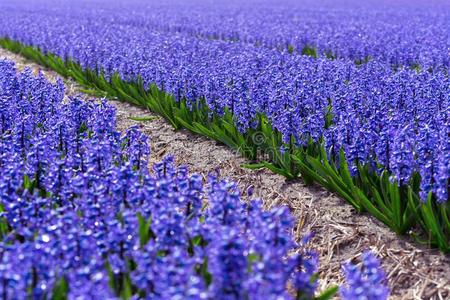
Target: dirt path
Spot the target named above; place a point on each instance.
(341, 234)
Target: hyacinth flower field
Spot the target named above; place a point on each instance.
(348, 96)
(83, 216)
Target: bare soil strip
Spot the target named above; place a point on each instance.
(414, 271)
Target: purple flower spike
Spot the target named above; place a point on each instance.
(365, 282)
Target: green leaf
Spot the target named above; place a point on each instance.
(445, 216)
(186, 125)
(60, 290)
(269, 166)
(328, 293)
(94, 92)
(332, 180)
(26, 182)
(308, 174)
(256, 166)
(252, 258)
(307, 50)
(127, 288)
(4, 228)
(290, 49)
(145, 232)
(205, 273)
(368, 205)
(197, 240)
(343, 170)
(379, 201)
(431, 222)
(394, 193)
(143, 119)
(112, 281)
(199, 128)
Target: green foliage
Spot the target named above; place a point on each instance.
(145, 232)
(310, 51)
(328, 293)
(143, 119)
(60, 290)
(290, 49)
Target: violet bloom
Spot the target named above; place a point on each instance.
(365, 282)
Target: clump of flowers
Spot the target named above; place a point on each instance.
(365, 282)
